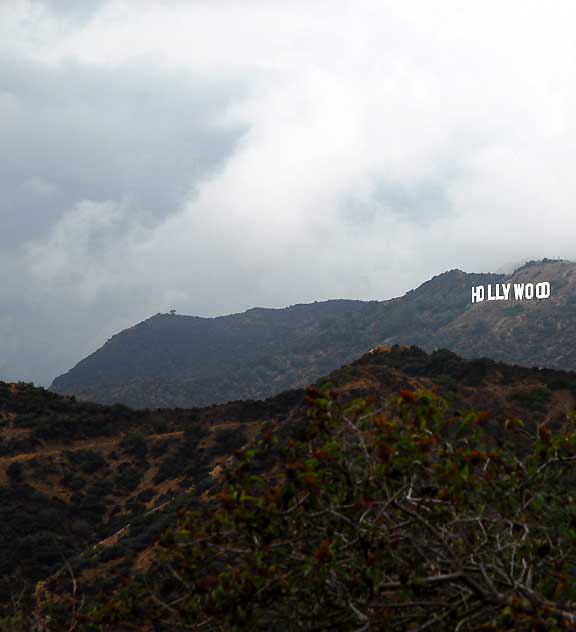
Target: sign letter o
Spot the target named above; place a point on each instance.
(543, 290)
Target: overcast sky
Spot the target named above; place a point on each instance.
(210, 156)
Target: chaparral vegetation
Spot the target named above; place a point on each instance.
(399, 517)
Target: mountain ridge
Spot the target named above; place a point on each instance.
(177, 360)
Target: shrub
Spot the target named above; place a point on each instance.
(135, 443)
(73, 481)
(537, 398)
(120, 410)
(88, 461)
(15, 472)
(194, 434)
(394, 519)
(127, 478)
(399, 518)
(146, 495)
(228, 440)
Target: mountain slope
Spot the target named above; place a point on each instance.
(127, 549)
(187, 361)
(73, 474)
(529, 332)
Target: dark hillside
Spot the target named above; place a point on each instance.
(185, 361)
(75, 474)
(204, 444)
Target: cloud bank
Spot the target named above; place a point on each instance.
(210, 156)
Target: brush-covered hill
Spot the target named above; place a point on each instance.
(184, 361)
(528, 332)
(75, 473)
(88, 489)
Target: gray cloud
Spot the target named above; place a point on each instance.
(76, 12)
(79, 132)
(213, 156)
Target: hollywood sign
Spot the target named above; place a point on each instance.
(510, 291)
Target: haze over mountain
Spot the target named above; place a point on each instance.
(172, 360)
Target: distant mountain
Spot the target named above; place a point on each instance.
(183, 361)
(96, 485)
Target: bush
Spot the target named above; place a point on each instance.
(88, 461)
(109, 553)
(171, 467)
(120, 410)
(537, 398)
(146, 495)
(135, 444)
(15, 472)
(73, 481)
(195, 433)
(393, 519)
(160, 425)
(228, 440)
(127, 478)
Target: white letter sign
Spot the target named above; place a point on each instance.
(503, 292)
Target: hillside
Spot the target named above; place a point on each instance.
(184, 361)
(75, 474)
(532, 333)
(397, 515)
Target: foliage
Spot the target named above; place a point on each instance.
(88, 461)
(392, 518)
(135, 443)
(537, 399)
(194, 433)
(15, 472)
(227, 440)
(127, 477)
